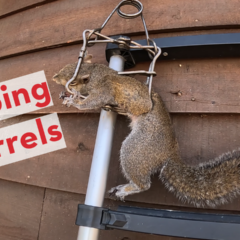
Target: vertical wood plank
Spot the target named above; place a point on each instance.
(20, 211)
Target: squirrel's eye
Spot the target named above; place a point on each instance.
(73, 83)
(85, 78)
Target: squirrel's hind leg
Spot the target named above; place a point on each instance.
(122, 191)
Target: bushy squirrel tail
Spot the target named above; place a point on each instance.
(213, 183)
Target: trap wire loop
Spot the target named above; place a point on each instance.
(153, 50)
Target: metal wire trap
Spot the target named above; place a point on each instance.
(124, 43)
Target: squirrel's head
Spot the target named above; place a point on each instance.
(83, 77)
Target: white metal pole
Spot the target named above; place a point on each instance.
(101, 158)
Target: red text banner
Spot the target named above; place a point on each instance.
(24, 94)
(31, 138)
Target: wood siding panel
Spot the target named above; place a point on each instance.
(66, 169)
(9, 7)
(212, 83)
(207, 126)
(20, 211)
(63, 22)
(201, 138)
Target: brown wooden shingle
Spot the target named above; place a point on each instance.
(63, 22)
(200, 137)
(208, 81)
(10, 7)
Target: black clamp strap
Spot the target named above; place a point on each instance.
(208, 226)
(97, 217)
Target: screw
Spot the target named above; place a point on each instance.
(81, 147)
(193, 99)
(165, 54)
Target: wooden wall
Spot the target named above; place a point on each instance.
(39, 196)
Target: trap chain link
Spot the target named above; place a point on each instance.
(153, 50)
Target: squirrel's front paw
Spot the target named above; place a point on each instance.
(68, 101)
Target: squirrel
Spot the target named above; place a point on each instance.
(151, 145)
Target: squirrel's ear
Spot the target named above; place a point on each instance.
(55, 77)
(88, 58)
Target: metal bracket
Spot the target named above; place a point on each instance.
(162, 222)
(186, 47)
(117, 49)
(98, 217)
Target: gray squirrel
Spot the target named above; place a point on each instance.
(151, 145)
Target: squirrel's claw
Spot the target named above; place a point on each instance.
(112, 194)
(64, 94)
(121, 191)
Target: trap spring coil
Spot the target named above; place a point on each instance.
(136, 4)
(153, 50)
